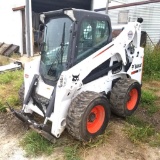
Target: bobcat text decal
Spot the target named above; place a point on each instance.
(135, 66)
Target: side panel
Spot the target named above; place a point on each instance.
(135, 70)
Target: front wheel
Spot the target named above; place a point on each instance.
(88, 115)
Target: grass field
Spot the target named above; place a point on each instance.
(10, 83)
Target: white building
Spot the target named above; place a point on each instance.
(11, 22)
(149, 12)
(97, 4)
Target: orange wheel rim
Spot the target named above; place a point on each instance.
(133, 99)
(95, 119)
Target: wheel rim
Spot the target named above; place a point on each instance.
(95, 119)
(133, 94)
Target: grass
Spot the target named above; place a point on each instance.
(134, 120)
(151, 70)
(2, 107)
(148, 99)
(4, 60)
(152, 109)
(15, 55)
(156, 141)
(138, 130)
(35, 145)
(139, 134)
(10, 83)
(71, 152)
(8, 77)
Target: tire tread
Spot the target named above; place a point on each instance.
(118, 95)
(76, 111)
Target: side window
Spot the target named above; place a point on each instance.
(93, 35)
(102, 32)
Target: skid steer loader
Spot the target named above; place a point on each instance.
(82, 74)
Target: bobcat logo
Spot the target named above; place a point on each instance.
(75, 78)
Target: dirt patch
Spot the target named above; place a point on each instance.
(6, 60)
(154, 120)
(3, 60)
(153, 86)
(11, 132)
(119, 147)
(11, 125)
(25, 59)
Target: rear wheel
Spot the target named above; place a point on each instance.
(125, 97)
(40, 98)
(21, 93)
(88, 115)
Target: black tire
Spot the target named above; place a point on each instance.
(40, 98)
(88, 115)
(125, 97)
(21, 93)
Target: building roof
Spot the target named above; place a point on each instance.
(48, 5)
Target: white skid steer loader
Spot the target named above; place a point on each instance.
(82, 74)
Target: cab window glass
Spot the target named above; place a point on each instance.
(93, 36)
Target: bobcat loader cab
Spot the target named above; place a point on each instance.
(82, 74)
